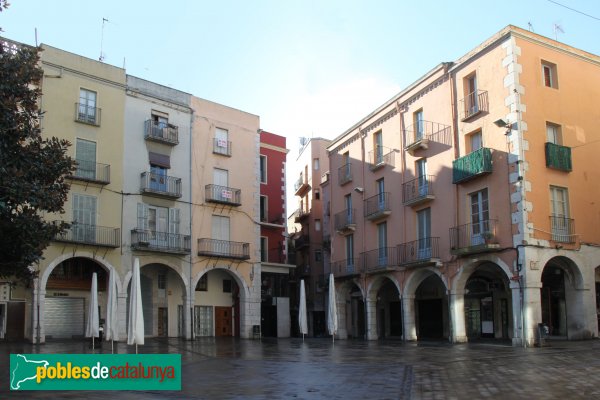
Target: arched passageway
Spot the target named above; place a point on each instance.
(217, 304)
(431, 309)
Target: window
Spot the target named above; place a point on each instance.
(419, 125)
(222, 145)
(553, 133)
(316, 164)
(264, 213)
(162, 281)
(264, 249)
(86, 110)
(424, 233)
(381, 194)
(317, 194)
(263, 169)
(480, 217)
(318, 255)
(159, 225)
(421, 166)
(475, 141)
(350, 252)
(221, 180)
(226, 285)
(317, 225)
(202, 285)
(549, 75)
(382, 243)
(471, 98)
(348, 204)
(85, 155)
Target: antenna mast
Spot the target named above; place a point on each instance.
(101, 58)
(557, 28)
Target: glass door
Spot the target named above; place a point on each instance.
(424, 234)
(479, 217)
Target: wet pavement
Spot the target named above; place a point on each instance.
(226, 368)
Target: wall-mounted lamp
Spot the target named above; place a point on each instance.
(359, 190)
(500, 123)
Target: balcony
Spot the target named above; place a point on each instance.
(474, 104)
(380, 157)
(380, 260)
(473, 238)
(223, 195)
(87, 115)
(345, 174)
(89, 171)
(223, 249)
(418, 191)
(302, 242)
(222, 147)
(345, 268)
(472, 165)
(161, 185)
(301, 186)
(161, 132)
(563, 229)
(558, 157)
(161, 242)
(378, 207)
(301, 215)
(421, 252)
(90, 234)
(419, 135)
(345, 221)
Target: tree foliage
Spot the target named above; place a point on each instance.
(32, 168)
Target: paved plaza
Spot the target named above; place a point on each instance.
(214, 368)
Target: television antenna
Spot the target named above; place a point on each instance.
(557, 29)
(101, 58)
(530, 27)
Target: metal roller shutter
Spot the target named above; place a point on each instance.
(64, 317)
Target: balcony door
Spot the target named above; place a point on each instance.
(85, 154)
(421, 166)
(84, 218)
(221, 179)
(419, 125)
(559, 201)
(87, 106)
(480, 216)
(382, 256)
(158, 178)
(424, 234)
(350, 253)
(348, 204)
(220, 232)
(222, 137)
(472, 100)
(381, 194)
(158, 220)
(378, 142)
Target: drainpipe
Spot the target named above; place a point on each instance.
(191, 291)
(363, 195)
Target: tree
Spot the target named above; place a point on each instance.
(32, 168)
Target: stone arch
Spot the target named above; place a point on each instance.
(466, 270)
(417, 277)
(239, 280)
(567, 264)
(376, 284)
(177, 269)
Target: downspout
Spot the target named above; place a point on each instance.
(190, 289)
(363, 239)
(403, 238)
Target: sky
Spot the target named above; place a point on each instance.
(307, 68)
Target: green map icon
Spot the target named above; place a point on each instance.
(23, 370)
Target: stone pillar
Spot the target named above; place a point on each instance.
(410, 324)
(457, 317)
(342, 310)
(532, 309)
(188, 306)
(38, 334)
(371, 319)
(250, 309)
(517, 316)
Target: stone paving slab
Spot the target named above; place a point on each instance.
(319, 369)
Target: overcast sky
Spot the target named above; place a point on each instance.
(307, 68)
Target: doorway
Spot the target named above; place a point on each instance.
(223, 321)
(163, 321)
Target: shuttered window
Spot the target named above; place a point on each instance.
(85, 154)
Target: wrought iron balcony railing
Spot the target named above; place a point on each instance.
(474, 103)
(420, 251)
(378, 206)
(383, 258)
(161, 185)
(223, 249)
(301, 214)
(563, 229)
(223, 195)
(418, 135)
(345, 174)
(161, 132)
(302, 242)
(91, 172)
(301, 185)
(418, 190)
(348, 267)
(472, 165)
(87, 114)
(476, 237)
(91, 234)
(381, 157)
(558, 157)
(345, 220)
(222, 147)
(162, 242)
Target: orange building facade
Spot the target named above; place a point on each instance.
(465, 208)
